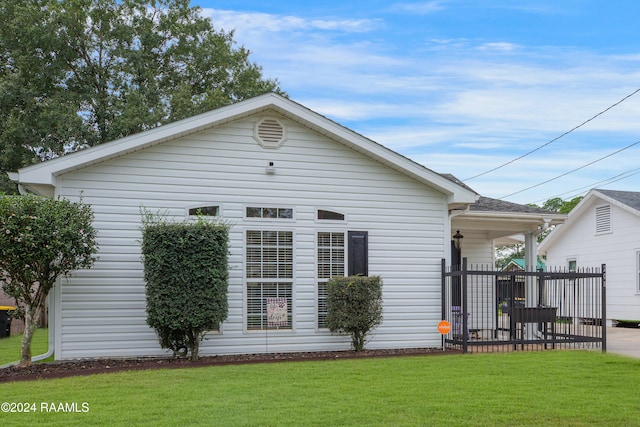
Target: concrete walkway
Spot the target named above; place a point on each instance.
(624, 341)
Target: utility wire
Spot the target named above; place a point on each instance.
(554, 139)
(572, 171)
(577, 191)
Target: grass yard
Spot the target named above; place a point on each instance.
(10, 346)
(556, 388)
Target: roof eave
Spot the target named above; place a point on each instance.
(548, 218)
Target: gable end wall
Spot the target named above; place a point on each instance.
(102, 310)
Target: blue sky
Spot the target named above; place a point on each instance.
(465, 86)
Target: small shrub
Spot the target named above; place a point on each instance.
(354, 307)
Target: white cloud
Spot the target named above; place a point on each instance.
(498, 46)
(421, 8)
(257, 22)
(457, 105)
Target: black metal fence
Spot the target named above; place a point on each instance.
(492, 310)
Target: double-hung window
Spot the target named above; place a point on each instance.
(331, 262)
(269, 274)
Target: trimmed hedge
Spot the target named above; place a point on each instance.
(185, 269)
(354, 307)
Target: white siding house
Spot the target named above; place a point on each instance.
(277, 172)
(231, 159)
(604, 228)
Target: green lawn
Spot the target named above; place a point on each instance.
(555, 388)
(10, 346)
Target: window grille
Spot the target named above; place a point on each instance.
(269, 273)
(331, 261)
(269, 213)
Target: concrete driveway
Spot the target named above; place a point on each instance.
(624, 341)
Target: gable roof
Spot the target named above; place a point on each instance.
(626, 200)
(500, 219)
(487, 204)
(42, 178)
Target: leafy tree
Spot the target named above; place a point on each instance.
(185, 269)
(568, 205)
(553, 205)
(505, 254)
(354, 307)
(41, 240)
(560, 206)
(76, 73)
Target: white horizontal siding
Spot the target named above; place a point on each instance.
(616, 249)
(102, 310)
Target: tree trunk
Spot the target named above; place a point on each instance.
(357, 340)
(194, 344)
(30, 323)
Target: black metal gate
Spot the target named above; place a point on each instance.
(515, 310)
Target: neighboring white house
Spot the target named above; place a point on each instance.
(329, 200)
(604, 228)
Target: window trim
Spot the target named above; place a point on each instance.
(267, 206)
(328, 220)
(319, 280)
(187, 209)
(247, 280)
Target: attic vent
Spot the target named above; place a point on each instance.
(603, 219)
(270, 133)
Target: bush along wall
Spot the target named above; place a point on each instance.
(354, 307)
(185, 270)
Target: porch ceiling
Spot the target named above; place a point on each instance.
(497, 225)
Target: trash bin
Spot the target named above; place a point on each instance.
(5, 320)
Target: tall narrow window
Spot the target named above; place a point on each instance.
(638, 272)
(269, 272)
(330, 264)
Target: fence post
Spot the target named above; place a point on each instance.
(465, 320)
(604, 307)
(443, 291)
(512, 303)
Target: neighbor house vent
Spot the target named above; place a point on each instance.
(270, 133)
(603, 219)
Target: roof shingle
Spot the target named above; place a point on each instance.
(629, 198)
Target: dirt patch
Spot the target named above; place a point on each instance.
(62, 369)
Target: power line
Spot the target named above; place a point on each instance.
(556, 138)
(577, 191)
(572, 171)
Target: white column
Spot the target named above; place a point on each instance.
(530, 264)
